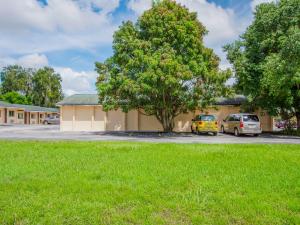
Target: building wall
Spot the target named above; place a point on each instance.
(66, 118)
(82, 118)
(15, 118)
(93, 118)
(267, 121)
(34, 118)
(2, 111)
(149, 123)
(183, 122)
(132, 120)
(99, 119)
(24, 118)
(116, 121)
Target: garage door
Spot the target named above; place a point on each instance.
(83, 118)
(99, 120)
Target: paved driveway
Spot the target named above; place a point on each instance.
(51, 132)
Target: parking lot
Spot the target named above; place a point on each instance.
(51, 132)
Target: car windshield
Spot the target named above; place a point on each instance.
(250, 118)
(207, 118)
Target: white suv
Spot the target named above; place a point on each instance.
(242, 123)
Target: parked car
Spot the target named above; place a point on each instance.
(52, 120)
(286, 124)
(242, 123)
(204, 124)
(280, 124)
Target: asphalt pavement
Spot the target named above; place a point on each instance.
(51, 132)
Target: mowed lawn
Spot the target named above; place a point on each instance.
(140, 183)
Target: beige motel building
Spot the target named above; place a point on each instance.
(82, 112)
(24, 114)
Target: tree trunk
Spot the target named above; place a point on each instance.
(167, 121)
(298, 120)
(168, 125)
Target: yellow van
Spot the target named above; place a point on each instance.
(205, 124)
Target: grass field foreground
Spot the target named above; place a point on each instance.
(140, 183)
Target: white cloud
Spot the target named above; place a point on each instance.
(139, 6)
(31, 61)
(74, 82)
(27, 27)
(223, 25)
(254, 3)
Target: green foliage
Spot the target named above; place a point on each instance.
(139, 183)
(15, 78)
(47, 90)
(25, 86)
(15, 98)
(266, 59)
(161, 66)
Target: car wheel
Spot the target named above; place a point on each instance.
(215, 133)
(236, 132)
(222, 130)
(45, 122)
(256, 135)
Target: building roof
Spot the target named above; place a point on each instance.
(237, 100)
(92, 99)
(27, 108)
(80, 99)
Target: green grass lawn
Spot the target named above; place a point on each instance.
(139, 183)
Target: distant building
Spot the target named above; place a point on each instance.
(24, 114)
(82, 112)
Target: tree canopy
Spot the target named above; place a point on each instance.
(160, 66)
(266, 59)
(15, 78)
(47, 90)
(20, 85)
(15, 97)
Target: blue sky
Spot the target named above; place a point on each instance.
(70, 35)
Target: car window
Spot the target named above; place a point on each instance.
(231, 118)
(207, 118)
(250, 118)
(237, 118)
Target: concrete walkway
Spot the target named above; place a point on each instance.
(51, 132)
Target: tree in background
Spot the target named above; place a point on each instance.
(266, 59)
(15, 98)
(47, 90)
(20, 85)
(160, 66)
(15, 78)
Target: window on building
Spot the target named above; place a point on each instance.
(32, 116)
(0, 113)
(20, 116)
(11, 113)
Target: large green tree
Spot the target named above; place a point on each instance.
(266, 59)
(47, 90)
(160, 66)
(26, 85)
(15, 78)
